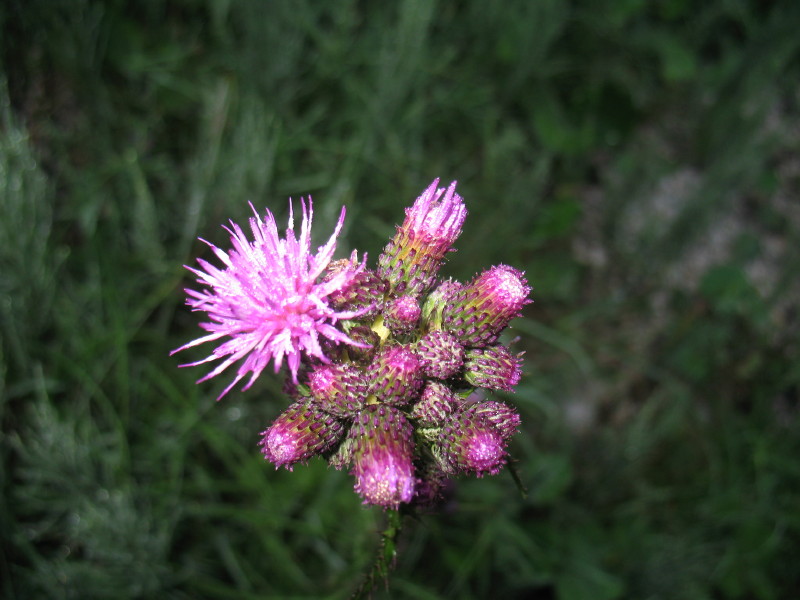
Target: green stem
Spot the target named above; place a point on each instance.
(386, 558)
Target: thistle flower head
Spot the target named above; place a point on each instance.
(437, 217)
(501, 415)
(382, 453)
(479, 311)
(440, 354)
(412, 258)
(396, 375)
(339, 389)
(470, 443)
(401, 315)
(436, 403)
(266, 298)
(493, 368)
(299, 432)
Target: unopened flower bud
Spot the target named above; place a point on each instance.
(435, 404)
(382, 455)
(411, 260)
(478, 312)
(300, 432)
(339, 389)
(493, 368)
(470, 443)
(440, 354)
(395, 374)
(438, 299)
(501, 415)
(401, 315)
(363, 293)
(368, 340)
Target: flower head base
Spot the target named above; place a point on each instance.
(411, 260)
(383, 451)
(266, 298)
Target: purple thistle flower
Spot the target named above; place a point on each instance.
(411, 259)
(299, 432)
(493, 368)
(479, 311)
(436, 403)
(383, 450)
(470, 443)
(501, 415)
(339, 389)
(396, 376)
(440, 354)
(267, 300)
(401, 315)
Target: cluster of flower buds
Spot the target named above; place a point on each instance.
(393, 396)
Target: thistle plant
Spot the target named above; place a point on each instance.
(383, 364)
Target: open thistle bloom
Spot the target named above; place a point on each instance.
(266, 299)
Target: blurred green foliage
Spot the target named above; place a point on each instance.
(638, 159)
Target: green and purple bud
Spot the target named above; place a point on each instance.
(499, 414)
(368, 342)
(435, 405)
(339, 389)
(364, 292)
(438, 299)
(412, 258)
(440, 354)
(493, 368)
(382, 452)
(478, 312)
(470, 443)
(401, 315)
(396, 375)
(301, 431)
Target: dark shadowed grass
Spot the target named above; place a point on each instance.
(639, 161)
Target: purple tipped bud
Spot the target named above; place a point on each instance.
(435, 404)
(501, 415)
(494, 368)
(299, 432)
(410, 261)
(471, 444)
(477, 313)
(368, 341)
(401, 315)
(339, 389)
(383, 449)
(396, 376)
(364, 293)
(440, 354)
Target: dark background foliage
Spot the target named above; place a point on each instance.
(640, 160)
